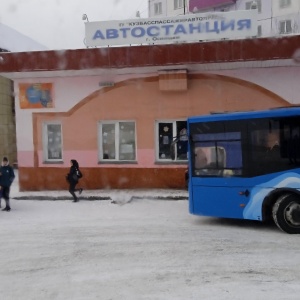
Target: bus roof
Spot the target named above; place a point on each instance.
(242, 115)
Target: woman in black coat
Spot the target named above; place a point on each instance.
(72, 177)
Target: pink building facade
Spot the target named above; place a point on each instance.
(117, 110)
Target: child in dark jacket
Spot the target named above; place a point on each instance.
(72, 177)
(7, 177)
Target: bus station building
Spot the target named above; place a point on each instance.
(117, 109)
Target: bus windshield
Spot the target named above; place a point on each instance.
(217, 154)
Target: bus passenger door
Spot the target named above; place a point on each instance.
(217, 188)
(220, 197)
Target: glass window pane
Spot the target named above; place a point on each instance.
(182, 143)
(178, 4)
(269, 147)
(218, 148)
(54, 142)
(157, 8)
(127, 141)
(288, 26)
(259, 6)
(259, 31)
(217, 154)
(108, 141)
(290, 141)
(165, 132)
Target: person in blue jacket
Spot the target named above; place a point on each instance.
(7, 177)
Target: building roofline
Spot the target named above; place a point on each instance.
(226, 51)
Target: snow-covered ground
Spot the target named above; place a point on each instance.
(145, 249)
(137, 247)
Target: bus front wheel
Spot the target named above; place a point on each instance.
(286, 213)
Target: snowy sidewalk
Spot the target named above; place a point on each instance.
(115, 195)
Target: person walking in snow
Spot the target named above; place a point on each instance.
(7, 177)
(72, 177)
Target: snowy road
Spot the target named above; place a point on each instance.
(146, 249)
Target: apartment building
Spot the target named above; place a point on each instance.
(164, 8)
(285, 17)
(275, 17)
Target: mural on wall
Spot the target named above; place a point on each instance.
(36, 95)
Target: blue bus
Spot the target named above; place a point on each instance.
(246, 165)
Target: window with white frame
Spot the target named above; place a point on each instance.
(254, 5)
(285, 26)
(284, 3)
(178, 4)
(166, 133)
(52, 142)
(158, 8)
(117, 141)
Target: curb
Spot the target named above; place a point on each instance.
(97, 198)
(89, 198)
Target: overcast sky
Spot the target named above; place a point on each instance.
(58, 24)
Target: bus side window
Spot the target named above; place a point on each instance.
(200, 158)
(273, 147)
(221, 159)
(293, 149)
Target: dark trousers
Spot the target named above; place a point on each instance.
(5, 190)
(72, 190)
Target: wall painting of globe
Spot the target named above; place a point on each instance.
(36, 95)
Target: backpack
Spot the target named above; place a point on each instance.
(79, 174)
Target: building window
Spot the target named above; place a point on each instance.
(254, 5)
(158, 8)
(285, 27)
(178, 4)
(259, 31)
(166, 133)
(117, 141)
(224, 9)
(52, 142)
(284, 3)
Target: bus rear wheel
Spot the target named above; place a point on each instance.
(286, 213)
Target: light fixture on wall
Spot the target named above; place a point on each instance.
(254, 5)
(85, 17)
